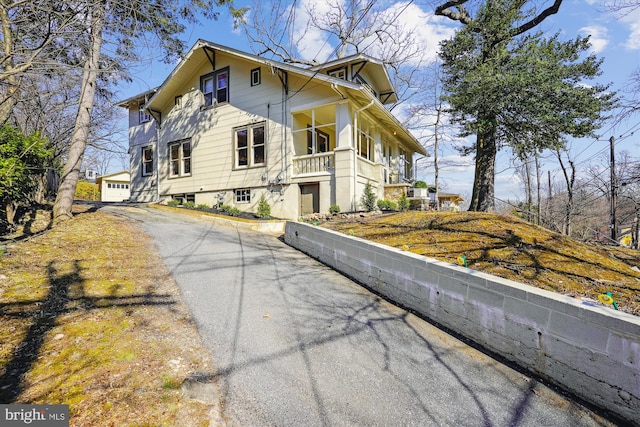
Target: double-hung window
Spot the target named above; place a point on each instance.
(249, 146)
(147, 161)
(180, 159)
(215, 87)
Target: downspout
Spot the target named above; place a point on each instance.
(355, 152)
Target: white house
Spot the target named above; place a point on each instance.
(114, 187)
(230, 127)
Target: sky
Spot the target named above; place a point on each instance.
(614, 37)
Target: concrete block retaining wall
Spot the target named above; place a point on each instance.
(591, 351)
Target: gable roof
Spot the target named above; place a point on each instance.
(204, 50)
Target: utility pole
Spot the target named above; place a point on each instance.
(612, 167)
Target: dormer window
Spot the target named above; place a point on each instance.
(340, 73)
(143, 116)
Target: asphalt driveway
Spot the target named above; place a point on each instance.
(297, 344)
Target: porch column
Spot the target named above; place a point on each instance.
(344, 177)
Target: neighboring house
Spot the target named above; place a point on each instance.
(449, 202)
(114, 187)
(446, 201)
(230, 127)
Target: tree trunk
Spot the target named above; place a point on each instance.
(78, 144)
(482, 199)
(538, 190)
(10, 83)
(435, 155)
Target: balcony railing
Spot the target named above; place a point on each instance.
(313, 163)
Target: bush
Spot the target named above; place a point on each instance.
(233, 211)
(189, 205)
(420, 184)
(387, 205)
(87, 191)
(173, 203)
(403, 202)
(223, 208)
(369, 198)
(264, 210)
(202, 207)
(334, 209)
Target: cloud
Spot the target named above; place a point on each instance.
(313, 44)
(599, 37)
(632, 19)
(424, 29)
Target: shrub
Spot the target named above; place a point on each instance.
(334, 209)
(420, 184)
(87, 191)
(189, 205)
(403, 202)
(223, 208)
(387, 205)
(233, 211)
(264, 210)
(202, 207)
(173, 203)
(369, 198)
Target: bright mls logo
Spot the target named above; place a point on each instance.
(34, 415)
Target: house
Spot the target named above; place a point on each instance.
(114, 187)
(449, 202)
(425, 198)
(229, 127)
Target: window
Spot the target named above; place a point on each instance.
(143, 116)
(147, 161)
(177, 101)
(250, 146)
(255, 77)
(180, 159)
(215, 87)
(321, 143)
(365, 145)
(109, 185)
(243, 195)
(340, 73)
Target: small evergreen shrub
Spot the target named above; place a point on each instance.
(264, 210)
(369, 198)
(189, 205)
(420, 184)
(233, 211)
(387, 205)
(202, 207)
(403, 202)
(334, 209)
(173, 203)
(223, 208)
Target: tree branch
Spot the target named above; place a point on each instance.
(461, 15)
(551, 10)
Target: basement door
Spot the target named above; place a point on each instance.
(309, 198)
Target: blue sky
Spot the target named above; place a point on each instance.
(615, 38)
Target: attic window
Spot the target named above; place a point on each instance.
(255, 77)
(215, 87)
(340, 73)
(143, 116)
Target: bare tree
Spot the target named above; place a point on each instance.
(342, 28)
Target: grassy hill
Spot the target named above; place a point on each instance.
(508, 247)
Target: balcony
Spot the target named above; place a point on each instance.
(313, 164)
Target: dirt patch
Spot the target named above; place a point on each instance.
(90, 317)
(510, 248)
